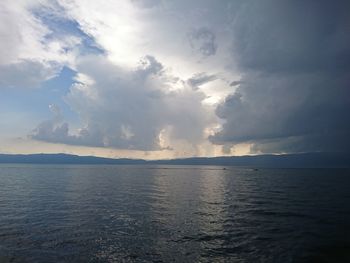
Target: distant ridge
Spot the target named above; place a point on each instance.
(61, 158)
(303, 160)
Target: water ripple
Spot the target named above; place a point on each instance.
(162, 214)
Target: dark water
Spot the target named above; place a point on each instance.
(188, 214)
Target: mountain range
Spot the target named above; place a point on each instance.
(301, 160)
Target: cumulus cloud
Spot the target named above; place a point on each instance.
(154, 106)
(284, 63)
(52, 130)
(26, 73)
(28, 56)
(130, 108)
(294, 92)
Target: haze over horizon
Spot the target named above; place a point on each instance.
(156, 79)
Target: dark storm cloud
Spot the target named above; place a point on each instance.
(292, 36)
(294, 93)
(203, 41)
(146, 3)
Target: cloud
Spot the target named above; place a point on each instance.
(26, 73)
(294, 91)
(289, 61)
(52, 130)
(200, 79)
(28, 55)
(178, 33)
(289, 36)
(203, 41)
(147, 3)
(130, 108)
(156, 105)
(235, 83)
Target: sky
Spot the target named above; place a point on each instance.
(166, 79)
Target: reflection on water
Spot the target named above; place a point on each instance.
(212, 213)
(176, 214)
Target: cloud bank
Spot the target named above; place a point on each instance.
(143, 109)
(294, 93)
(155, 74)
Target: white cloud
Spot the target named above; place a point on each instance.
(131, 109)
(173, 32)
(154, 106)
(27, 55)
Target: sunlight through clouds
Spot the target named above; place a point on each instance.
(179, 78)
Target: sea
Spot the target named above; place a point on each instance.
(121, 213)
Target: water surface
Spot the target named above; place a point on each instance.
(82, 213)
